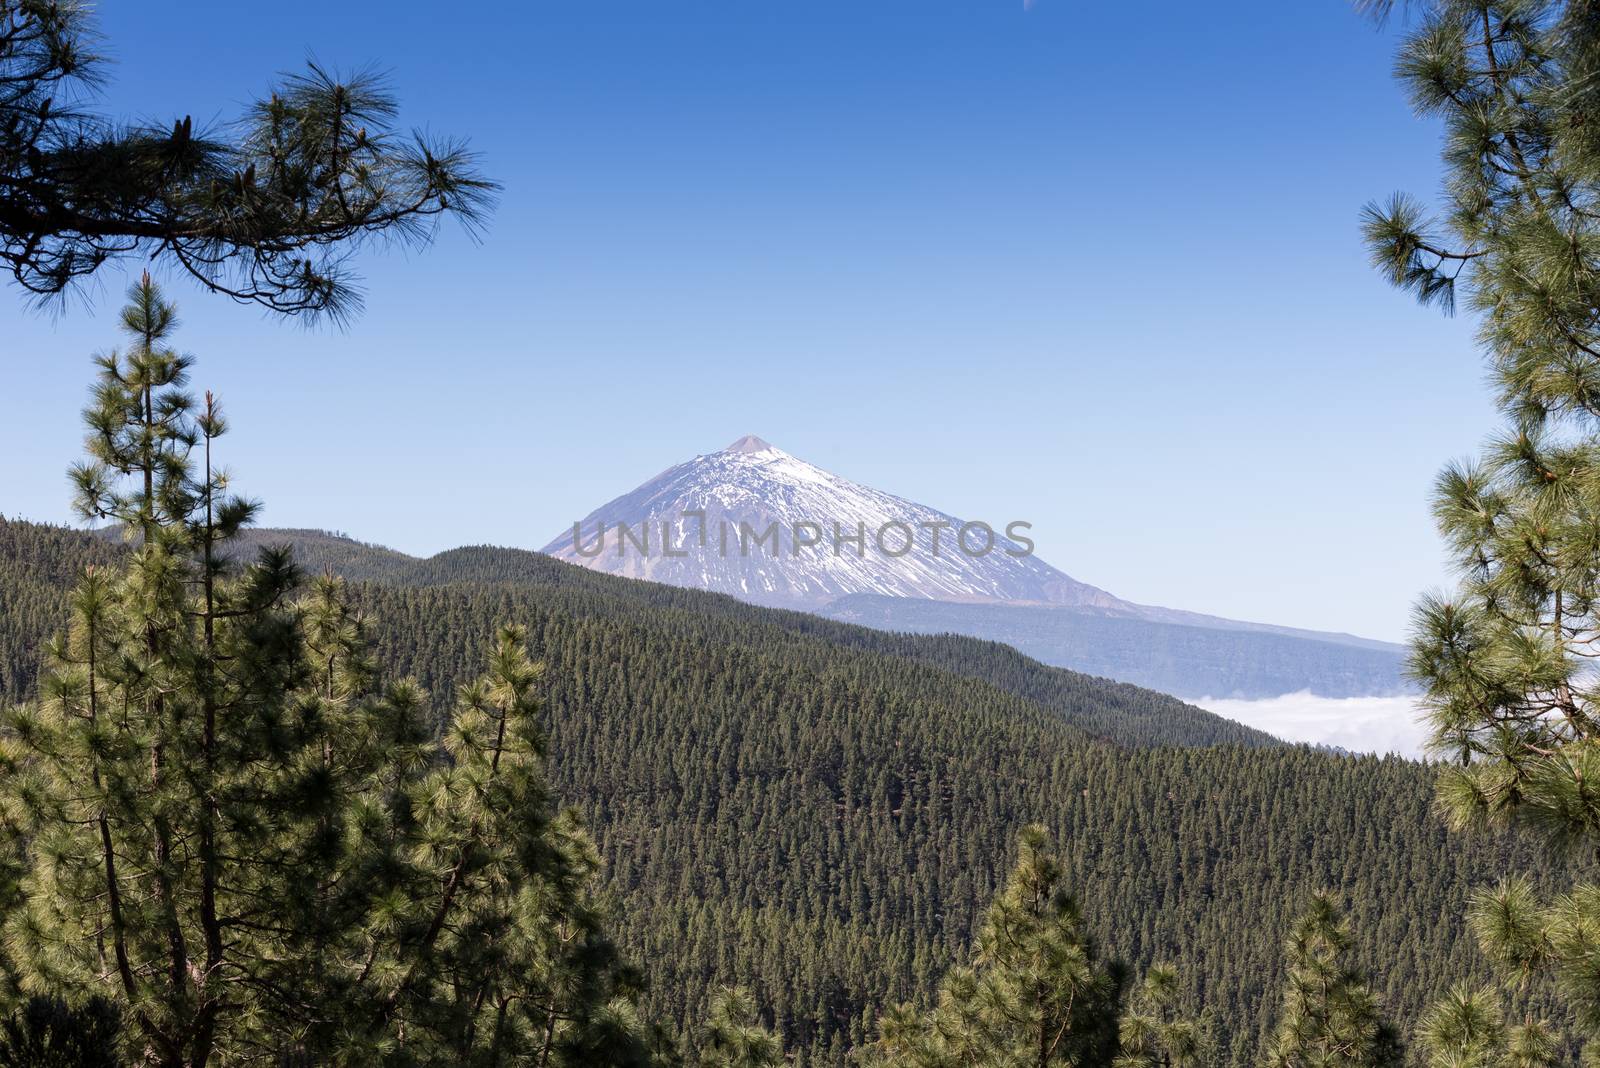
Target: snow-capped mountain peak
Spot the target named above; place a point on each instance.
(762, 525)
(756, 522)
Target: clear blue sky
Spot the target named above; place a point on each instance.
(1095, 266)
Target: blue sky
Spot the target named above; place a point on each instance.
(1094, 266)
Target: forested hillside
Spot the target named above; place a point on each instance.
(822, 812)
(1117, 711)
(1176, 655)
(37, 565)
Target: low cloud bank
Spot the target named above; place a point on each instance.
(1359, 724)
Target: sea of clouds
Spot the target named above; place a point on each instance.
(1359, 724)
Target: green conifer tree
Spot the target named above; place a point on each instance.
(1330, 1018)
(1465, 1029)
(239, 833)
(1152, 1032)
(734, 1037)
(1036, 993)
(267, 209)
(1505, 659)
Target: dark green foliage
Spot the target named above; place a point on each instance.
(733, 1036)
(1465, 1029)
(221, 813)
(503, 958)
(1507, 658)
(1167, 657)
(40, 565)
(1036, 993)
(265, 210)
(1153, 1034)
(1119, 712)
(49, 1033)
(821, 812)
(1330, 1017)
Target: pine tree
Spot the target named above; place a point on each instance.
(1152, 1034)
(265, 210)
(505, 959)
(1330, 1018)
(1502, 659)
(734, 1037)
(1036, 994)
(236, 830)
(1506, 658)
(1465, 1029)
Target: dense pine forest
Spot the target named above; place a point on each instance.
(822, 812)
(282, 798)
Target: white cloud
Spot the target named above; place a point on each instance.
(1360, 724)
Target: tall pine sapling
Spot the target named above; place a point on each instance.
(1036, 993)
(1153, 1034)
(1503, 658)
(1330, 1018)
(237, 832)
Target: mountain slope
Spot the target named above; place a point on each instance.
(701, 523)
(1186, 660)
(713, 509)
(1106, 708)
